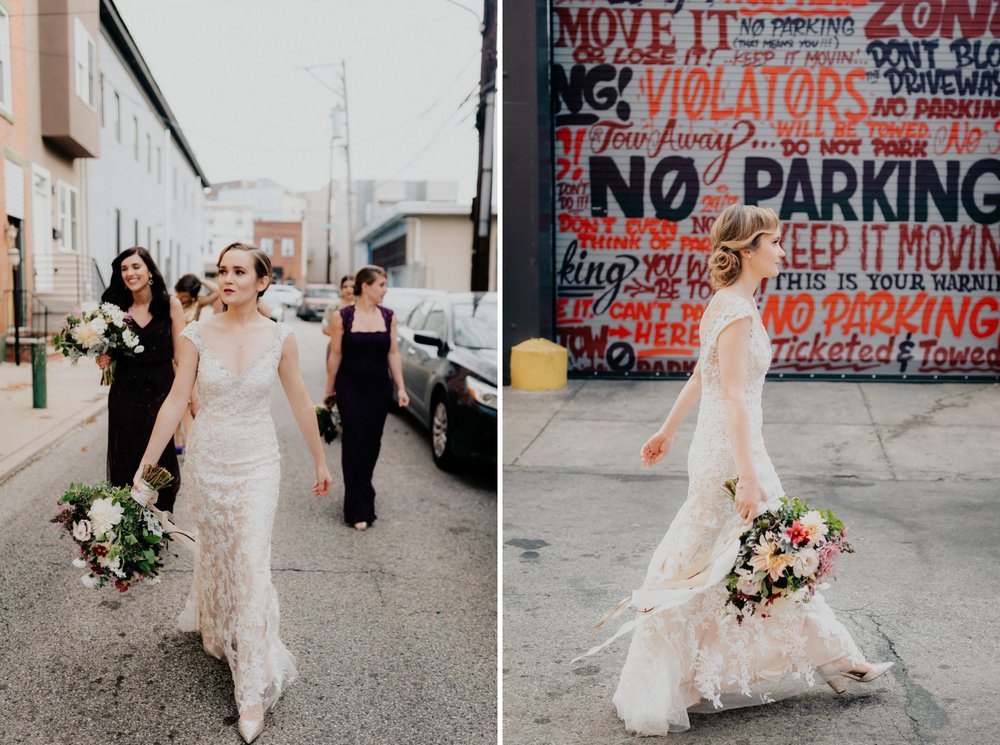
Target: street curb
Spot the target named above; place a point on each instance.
(17, 461)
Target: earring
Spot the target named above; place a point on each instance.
(150, 281)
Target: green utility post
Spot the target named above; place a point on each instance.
(38, 375)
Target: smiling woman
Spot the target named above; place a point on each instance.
(142, 381)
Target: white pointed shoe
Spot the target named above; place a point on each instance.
(250, 729)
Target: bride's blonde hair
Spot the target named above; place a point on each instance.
(736, 229)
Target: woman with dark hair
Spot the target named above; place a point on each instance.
(141, 382)
(232, 476)
(346, 298)
(188, 291)
(363, 354)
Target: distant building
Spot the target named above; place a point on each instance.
(225, 223)
(425, 244)
(283, 242)
(265, 213)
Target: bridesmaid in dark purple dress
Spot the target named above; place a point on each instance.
(142, 382)
(362, 365)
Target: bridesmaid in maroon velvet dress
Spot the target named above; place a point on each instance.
(362, 366)
(142, 382)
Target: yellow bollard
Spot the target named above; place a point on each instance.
(538, 365)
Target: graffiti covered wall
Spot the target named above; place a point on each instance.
(872, 128)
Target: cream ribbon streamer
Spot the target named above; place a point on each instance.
(143, 497)
(657, 595)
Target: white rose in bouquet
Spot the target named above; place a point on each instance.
(131, 340)
(98, 325)
(104, 514)
(806, 562)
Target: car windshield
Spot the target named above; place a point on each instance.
(323, 292)
(476, 324)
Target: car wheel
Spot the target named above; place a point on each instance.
(442, 448)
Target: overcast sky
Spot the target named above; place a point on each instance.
(230, 70)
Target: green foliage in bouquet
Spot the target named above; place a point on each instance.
(784, 551)
(118, 539)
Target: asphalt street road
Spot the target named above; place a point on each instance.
(911, 469)
(394, 629)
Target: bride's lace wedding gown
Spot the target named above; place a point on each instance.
(231, 478)
(694, 655)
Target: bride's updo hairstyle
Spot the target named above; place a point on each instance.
(261, 261)
(736, 229)
(366, 275)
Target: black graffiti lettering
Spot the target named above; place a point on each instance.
(602, 279)
(978, 192)
(686, 179)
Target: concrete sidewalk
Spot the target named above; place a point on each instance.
(75, 397)
(912, 469)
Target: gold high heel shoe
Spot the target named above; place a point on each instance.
(250, 729)
(874, 671)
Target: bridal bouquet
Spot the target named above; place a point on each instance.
(102, 331)
(119, 539)
(328, 419)
(784, 551)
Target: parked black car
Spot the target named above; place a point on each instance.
(449, 350)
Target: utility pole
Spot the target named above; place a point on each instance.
(329, 197)
(482, 206)
(347, 156)
(340, 106)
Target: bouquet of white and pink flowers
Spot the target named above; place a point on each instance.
(106, 330)
(119, 538)
(784, 551)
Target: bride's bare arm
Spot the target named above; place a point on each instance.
(734, 357)
(173, 406)
(303, 410)
(658, 445)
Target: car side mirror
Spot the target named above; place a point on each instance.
(431, 339)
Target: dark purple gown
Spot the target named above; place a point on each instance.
(140, 386)
(364, 392)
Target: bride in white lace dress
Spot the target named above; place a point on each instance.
(688, 654)
(231, 478)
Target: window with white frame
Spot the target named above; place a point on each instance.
(6, 99)
(100, 93)
(86, 65)
(267, 246)
(287, 246)
(68, 206)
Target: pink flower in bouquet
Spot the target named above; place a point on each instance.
(81, 530)
(827, 554)
(797, 533)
